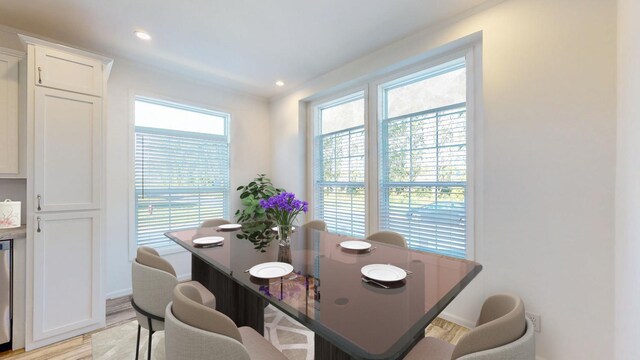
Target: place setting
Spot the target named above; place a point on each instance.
(205, 242)
(228, 227)
(384, 276)
(356, 247)
(261, 274)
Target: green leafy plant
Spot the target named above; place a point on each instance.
(256, 221)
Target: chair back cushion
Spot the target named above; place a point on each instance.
(183, 341)
(388, 237)
(188, 308)
(150, 257)
(522, 349)
(501, 321)
(214, 223)
(152, 291)
(316, 224)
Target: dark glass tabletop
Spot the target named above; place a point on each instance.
(326, 292)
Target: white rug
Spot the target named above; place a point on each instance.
(119, 342)
(287, 335)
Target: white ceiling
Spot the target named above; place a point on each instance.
(243, 44)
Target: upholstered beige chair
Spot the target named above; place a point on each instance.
(197, 332)
(316, 224)
(388, 237)
(502, 333)
(153, 280)
(212, 223)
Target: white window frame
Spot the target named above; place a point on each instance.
(314, 113)
(313, 127)
(178, 103)
(471, 49)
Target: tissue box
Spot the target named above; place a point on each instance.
(9, 214)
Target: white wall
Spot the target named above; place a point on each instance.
(627, 331)
(250, 134)
(545, 205)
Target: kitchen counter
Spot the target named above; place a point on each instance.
(15, 233)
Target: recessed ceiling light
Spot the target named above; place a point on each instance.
(279, 83)
(142, 35)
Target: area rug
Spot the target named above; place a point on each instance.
(287, 335)
(119, 342)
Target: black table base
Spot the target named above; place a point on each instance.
(233, 300)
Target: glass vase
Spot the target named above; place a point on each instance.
(284, 239)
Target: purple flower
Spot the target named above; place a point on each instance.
(284, 207)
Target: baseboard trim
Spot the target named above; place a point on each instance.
(61, 337)
(457, 320)
(119, 293)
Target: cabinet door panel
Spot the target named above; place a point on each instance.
(67, 151)
(8, 114)
(70, 72)
(66, 273)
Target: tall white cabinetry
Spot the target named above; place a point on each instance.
(65, 112)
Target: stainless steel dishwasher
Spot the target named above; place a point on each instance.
(6, 291)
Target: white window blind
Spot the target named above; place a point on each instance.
(423, 167)
(339, 165)
(181, 169)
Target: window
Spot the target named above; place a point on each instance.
(423, 158)
(339, 165)
(181, 168)
(418, 145)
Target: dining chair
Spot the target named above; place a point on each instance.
(502, 332)
(197, 332)
(211, 223)
(388, 237)
(316, 224)
(153, 281)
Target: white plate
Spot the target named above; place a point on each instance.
(229, 226)
(383, 272)
(208, 240)
(355, 245)
(275, 228)
(271, 270)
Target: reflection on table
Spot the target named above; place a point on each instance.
(326, 292)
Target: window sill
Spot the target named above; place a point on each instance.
(171, 249)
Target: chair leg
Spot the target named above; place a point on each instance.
(138, 342)
(150, 337)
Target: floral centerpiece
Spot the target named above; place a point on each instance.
(284, 208)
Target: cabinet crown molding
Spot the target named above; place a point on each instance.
(30, 40)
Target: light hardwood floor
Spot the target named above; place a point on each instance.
(119, 311)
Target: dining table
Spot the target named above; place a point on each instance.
(351, 315)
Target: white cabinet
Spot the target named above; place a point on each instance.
(65, 110)
(66, 273)
(67, 131)
(8, 114)
(62, 70)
